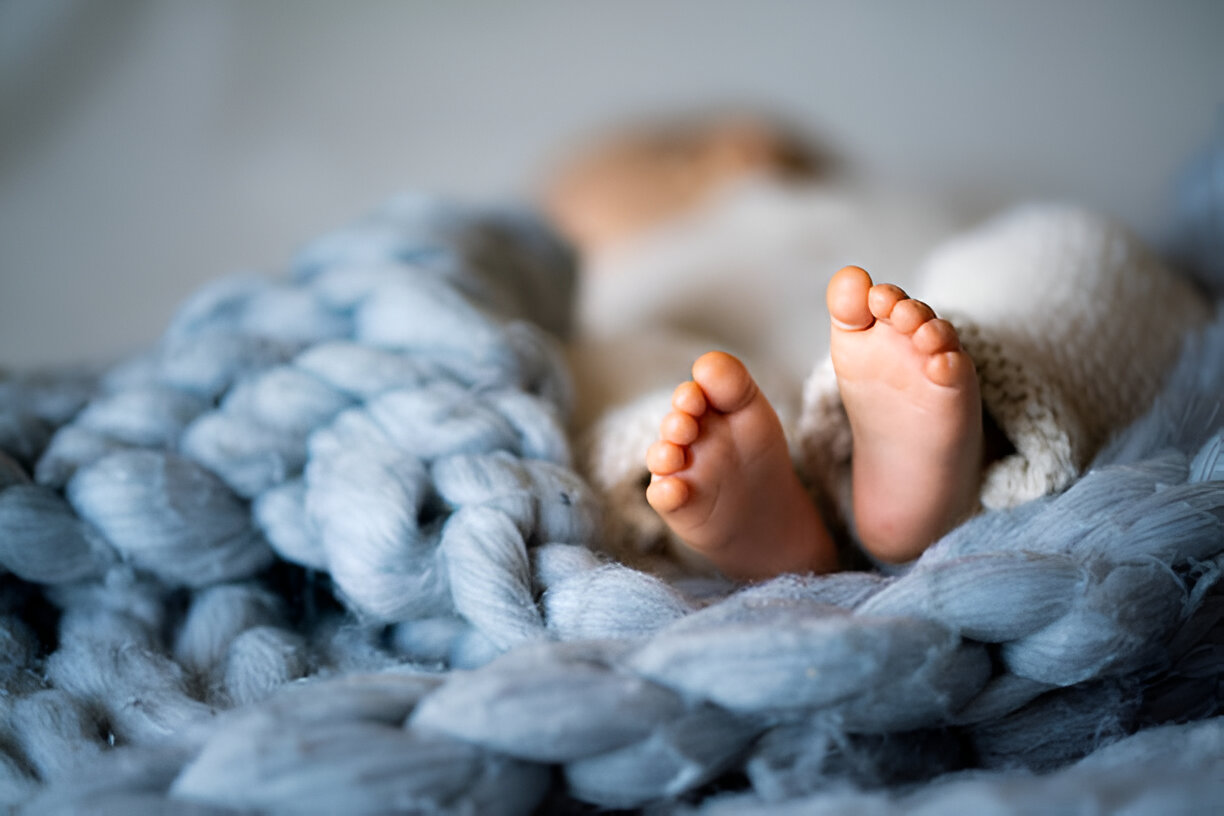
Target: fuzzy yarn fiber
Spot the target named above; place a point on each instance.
(322, 551)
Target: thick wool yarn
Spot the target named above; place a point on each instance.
(321, 551)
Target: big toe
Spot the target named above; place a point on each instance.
(725, 380)
(846, 297)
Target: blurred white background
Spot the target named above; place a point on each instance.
(149, 145)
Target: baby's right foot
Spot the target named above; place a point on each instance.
(723, 481)
(911, 394)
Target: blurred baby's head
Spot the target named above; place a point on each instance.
(642, 175)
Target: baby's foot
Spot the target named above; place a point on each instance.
(723, 481)
(911, 394)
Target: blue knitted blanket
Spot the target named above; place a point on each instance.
(322, 550)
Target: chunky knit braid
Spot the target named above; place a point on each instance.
(357, 479)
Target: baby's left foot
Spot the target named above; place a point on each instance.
(723, 479)
(911, 394)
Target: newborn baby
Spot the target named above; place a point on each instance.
(1055, 330)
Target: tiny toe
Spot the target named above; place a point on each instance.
(935, 336)
(725, 381)
(883, 297)
(846, 297)
(689, 399)
(949, 368)
(664, 458)
(666, 493)
(908, 315)
(679, 428)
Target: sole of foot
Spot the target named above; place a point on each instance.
(723, 480)
(911, 393)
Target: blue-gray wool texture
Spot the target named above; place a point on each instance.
(322, 550)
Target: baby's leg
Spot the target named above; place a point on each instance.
(911, 395)
(723, 481)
